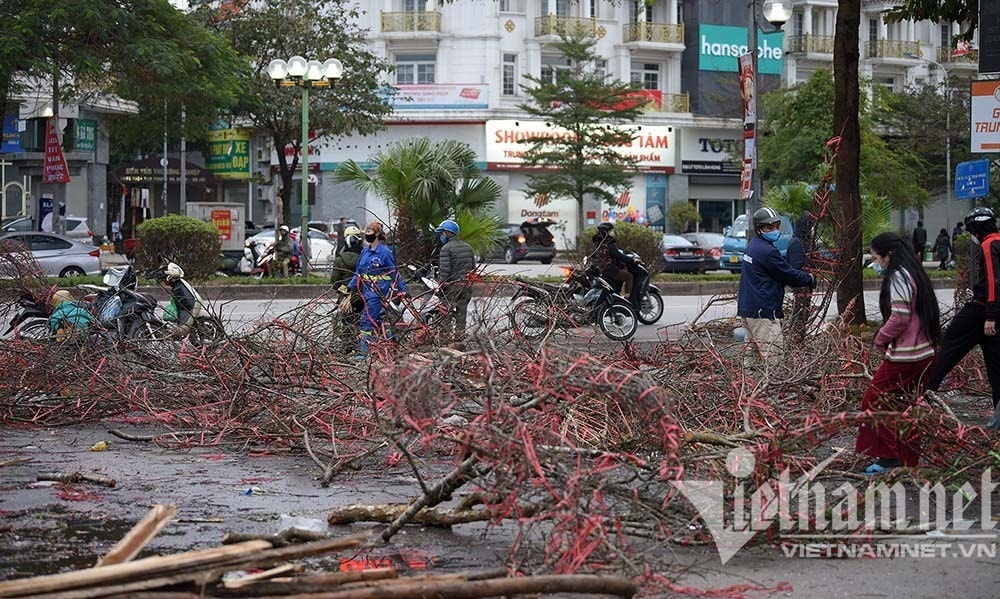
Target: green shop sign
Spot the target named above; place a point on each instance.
(229, 153)
(84, 135)
(719, 46)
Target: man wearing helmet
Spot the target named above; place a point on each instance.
(608, 257)
(375, 278)
(346, 261)
(763, 277)
(976, 323)
(284, 249)
(457, 261)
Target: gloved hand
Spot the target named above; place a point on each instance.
(812, 281)
(344, 290)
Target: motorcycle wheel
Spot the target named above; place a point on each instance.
(530, 318)
(33, 329)
(207, 330)
(140, 330)
(651, 308)
(618, 322)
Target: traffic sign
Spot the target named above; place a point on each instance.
(972, 179)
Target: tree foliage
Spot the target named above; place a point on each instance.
(316, 30)
(191, 243)
(965, 12)
(592, 109)
(796, 200)
(682, 215)
(425, 183)
(797, 126)
(142, 51)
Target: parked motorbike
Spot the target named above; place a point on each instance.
(584, 298)
(32, 318)
(206, 328)
(644, 296)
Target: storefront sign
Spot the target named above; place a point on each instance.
(11, 136)
(711, 151)
(223, 221)
(719, 46)
(652, 146)
(55, 169)
(84, 135)
(985, 116)
(441, 96)
(229, 153)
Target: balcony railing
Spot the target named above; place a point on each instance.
(818, 44)
(654, 32)
(891, 49)
(971, 56)
(415, 21)
(565, 26)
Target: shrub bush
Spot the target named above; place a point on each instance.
(631, 238)
(191, 243)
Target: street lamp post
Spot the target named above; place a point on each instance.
(947, 136)
(305, 74)
(771, 14)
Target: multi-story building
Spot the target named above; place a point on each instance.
(460, 66)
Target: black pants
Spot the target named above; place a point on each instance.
(964, 333)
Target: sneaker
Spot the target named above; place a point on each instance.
(881, 466)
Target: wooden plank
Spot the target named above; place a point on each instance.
(238, 583)
(149, 567)
(141, 534)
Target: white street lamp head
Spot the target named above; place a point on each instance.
(297, 67)
(277, 69)
(314, 71)
(333, 69)
(777, 11)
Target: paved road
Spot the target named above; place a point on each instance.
(678, 310)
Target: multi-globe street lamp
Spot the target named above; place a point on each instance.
(771, 15)
(305, 74)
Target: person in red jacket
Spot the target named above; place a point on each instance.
(911, 327)
(976, 323)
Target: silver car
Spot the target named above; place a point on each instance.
(57, 255)
(76, 227)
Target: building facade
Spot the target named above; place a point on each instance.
(459, 68)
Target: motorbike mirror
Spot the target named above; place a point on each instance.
(586, 260)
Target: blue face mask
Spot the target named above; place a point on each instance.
(772, 236)
(443, 238)
(877, 268)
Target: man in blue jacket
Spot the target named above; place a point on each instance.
(763, 278)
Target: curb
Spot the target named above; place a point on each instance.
(304, 292)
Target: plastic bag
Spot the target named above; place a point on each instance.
(170, 312)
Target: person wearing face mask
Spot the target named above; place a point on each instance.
(976, 323)
(456, 263)
(376, 279)
(911, 328)
(764, 275)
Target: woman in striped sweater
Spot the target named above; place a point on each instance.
(910, 331)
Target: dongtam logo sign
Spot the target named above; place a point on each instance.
(719, 47)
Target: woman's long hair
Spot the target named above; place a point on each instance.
(902, 256)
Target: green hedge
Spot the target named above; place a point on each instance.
(631, 238)
(191, 243)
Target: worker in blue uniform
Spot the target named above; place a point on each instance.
(376, 279)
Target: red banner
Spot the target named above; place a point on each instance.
(223, 221)
(55, 170)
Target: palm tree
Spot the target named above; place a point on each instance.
(425, 183)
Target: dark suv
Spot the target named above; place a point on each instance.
(526, 241)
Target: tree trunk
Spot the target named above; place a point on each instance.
(581, 222)
(845, 124)
(286, 171)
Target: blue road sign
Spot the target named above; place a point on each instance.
(972, 179)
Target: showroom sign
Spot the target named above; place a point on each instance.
(720, 46)
(652, 146)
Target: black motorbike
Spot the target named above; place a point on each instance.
(584, 298)
(31, 320)
(644, 296)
